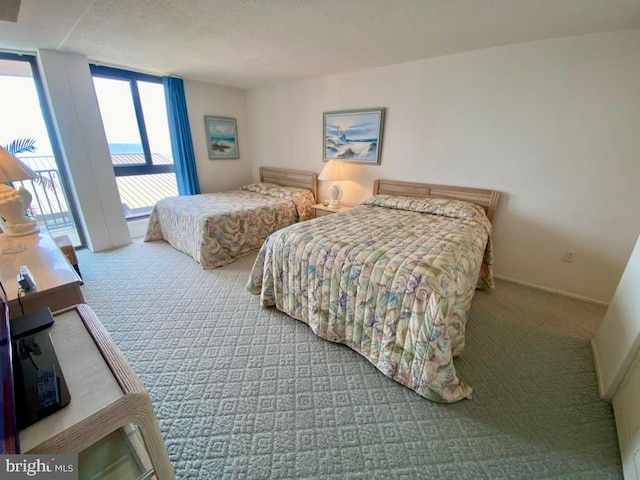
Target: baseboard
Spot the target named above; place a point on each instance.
(553, 290)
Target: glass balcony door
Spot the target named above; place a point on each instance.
(26, 117)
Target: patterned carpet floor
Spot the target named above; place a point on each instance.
(246, 392)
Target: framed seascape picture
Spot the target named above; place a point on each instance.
(354, 135)
(222, 137)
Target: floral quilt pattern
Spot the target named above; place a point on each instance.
(217, 228)
(392, 278)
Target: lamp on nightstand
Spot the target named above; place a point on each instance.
(14, 203)
(335, 172)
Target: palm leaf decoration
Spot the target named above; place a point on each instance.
(22, 145)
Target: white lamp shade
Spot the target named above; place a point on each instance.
(333, 170)
(12, 169)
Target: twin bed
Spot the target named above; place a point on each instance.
(217, 228)
(392, 278)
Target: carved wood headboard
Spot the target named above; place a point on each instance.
(487, 199)
(290, 178)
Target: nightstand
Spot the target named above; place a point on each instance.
(321, 210)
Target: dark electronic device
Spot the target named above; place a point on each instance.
(31, 323)
(40, 388)
(31, 379)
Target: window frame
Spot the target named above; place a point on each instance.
(53, 139)
(148, 168)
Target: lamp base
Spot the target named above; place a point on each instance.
(21, 229)
(335, 194)
(12, 210)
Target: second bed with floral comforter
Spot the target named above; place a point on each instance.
(217, 228)
(392, 278)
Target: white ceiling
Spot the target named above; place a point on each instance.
(250, 43)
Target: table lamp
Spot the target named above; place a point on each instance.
(335, 172)
(14, 203)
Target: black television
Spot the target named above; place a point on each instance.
(8, 427)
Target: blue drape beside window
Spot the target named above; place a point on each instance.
(181, 142)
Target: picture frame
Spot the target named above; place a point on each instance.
(222, 137)
(353, 136)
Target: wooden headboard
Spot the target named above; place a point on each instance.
(487, 199)
(290, 178)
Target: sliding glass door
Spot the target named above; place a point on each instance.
(26, 131)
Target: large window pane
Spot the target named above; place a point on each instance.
(19, 100)
(24, 119)
(119, 120)
(155, 118)
(137, 129)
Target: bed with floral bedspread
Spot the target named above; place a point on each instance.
(217, 228)
(393, 279)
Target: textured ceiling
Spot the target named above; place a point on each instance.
(249, 43)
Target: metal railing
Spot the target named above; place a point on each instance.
(138, 195)
(48, 205)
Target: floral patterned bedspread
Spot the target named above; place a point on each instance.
(217, 228)
(392, 278)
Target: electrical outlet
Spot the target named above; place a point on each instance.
(569, 256)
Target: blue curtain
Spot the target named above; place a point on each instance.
(181, 143)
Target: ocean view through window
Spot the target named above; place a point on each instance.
(134, 116)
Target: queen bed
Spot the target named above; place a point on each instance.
(217, 228)
(392, 278)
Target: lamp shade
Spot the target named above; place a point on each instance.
(12, 169)
(333, 170)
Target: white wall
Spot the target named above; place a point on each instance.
(616, 349)
(553, 125)
(627, 414)
(208, 99)
(618, 339)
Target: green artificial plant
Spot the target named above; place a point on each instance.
(22, 145)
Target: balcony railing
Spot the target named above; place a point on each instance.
(138, 194)
(48, 205)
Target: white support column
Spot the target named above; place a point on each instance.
(76, 116)
(617, 342)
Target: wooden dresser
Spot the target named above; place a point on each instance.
(57, 283)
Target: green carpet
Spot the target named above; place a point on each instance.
(246, 392)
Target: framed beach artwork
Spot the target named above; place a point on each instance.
(222, 137)
(354, 135)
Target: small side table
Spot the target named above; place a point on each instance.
(106, 396)
(321, 210)
(66, 247)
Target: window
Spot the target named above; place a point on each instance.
(28, 117)
(135, 122)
